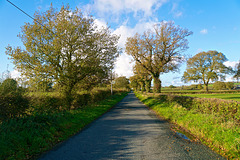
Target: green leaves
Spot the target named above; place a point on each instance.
(205, 66)
(159, 50)
(67, 49)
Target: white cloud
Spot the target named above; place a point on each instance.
(124, 65)
(229, 78)
(230, 63)
(176, 13)
(125, 31)
(204, 31)
(15, 74)
(177, 83)
(119, 6)
(100, 23)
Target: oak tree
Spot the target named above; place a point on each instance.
(205, 67)
(159, 50)
(134, 83)
(144, 78)
(64, 47)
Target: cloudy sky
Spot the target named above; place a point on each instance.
(215, 25)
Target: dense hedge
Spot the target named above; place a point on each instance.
(27, 137)
(17, 105)
(228, 109)
(12, 102)
(214, 122)
(12, 106)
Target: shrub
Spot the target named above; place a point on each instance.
(81, 100)
(229, 85)
(12, 102)
(199, 86)
(9, 86)
(98, 95)
(227, 109)
(47, 103)
(172, 86)
(219, 85)
(122, 82)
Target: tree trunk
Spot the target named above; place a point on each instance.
(68, 93)
(156, 84)
(206, 87)
(138, 87)
(142, 86)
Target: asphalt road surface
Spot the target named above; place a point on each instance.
(129, 131)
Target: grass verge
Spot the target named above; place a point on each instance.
(212, 129)
(26, 138)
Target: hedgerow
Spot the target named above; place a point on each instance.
(215, 122)
(228, 109)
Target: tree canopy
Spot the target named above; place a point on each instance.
(205, 66)
(122, 82)
(66, 48)
(159, 50)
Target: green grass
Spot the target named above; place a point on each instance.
(214, 130)
(26, 138)
(227, 96)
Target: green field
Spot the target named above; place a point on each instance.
(227, 96)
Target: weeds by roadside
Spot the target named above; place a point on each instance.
(216, 127)
(25, 138)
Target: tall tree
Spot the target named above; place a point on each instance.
(159, 50)
(134, 82)
(205, 66)
(144, 77)
(66, 47)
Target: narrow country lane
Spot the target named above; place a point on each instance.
(129, 131)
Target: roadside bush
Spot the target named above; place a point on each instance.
(9, 86)
(81, 100)
(122, 82)
(214, 122)
(27, 137)
(12, 102)
(98, 95)
(47, 104)
(227, 109)
(50, 103)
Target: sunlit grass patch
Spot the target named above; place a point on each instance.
(25, 138)
(227, 96)
(211, 125)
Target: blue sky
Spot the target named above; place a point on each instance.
(215, 25)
